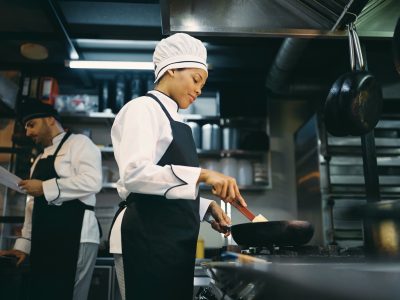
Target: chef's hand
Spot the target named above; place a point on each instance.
(221, 221)
(223, 186)
(14, 252)
(33, 187)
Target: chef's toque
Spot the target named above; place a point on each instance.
(179, 51)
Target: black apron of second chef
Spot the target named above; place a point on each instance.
(159, 235)
(56, 234)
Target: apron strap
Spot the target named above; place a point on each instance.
(162, 106)
(66, 136)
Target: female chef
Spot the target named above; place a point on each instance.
(154, 233)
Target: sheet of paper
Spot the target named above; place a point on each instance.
(10, 180)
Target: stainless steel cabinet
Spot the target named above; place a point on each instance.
(330, 178)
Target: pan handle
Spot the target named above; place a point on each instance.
(211, 220)
(357, 46)
(351, 47)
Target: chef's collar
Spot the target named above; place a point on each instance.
(167, 101)
(58, 137)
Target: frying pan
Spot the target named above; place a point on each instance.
(278, 233)
(354, 103)
(396, 46)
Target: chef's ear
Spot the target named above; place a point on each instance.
(171, 72)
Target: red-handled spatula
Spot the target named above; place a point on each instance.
(247, 213)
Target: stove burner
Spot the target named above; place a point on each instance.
(308, 250)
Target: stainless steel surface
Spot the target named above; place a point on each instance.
(330, 179)
(307, 279)
(357, 47)
(195, 127)
(351, 48)
(296, 18)
(383, 221)
(378, 18)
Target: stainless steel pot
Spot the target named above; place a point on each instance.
(382, 228)
(196, 133)
(211, 137)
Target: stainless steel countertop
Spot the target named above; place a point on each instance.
(304, 279)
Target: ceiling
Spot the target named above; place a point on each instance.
(109, 30)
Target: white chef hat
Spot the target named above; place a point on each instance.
(179, 51)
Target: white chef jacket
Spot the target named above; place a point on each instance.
(141, 134)
(78, 164)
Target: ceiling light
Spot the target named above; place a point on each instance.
(115, 44)
(112, 65)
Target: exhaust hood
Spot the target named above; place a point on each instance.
(279, 18)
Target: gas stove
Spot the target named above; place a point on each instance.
(307, 252)
(304, 272)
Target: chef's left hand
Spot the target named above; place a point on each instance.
(221, 220)
(33, 187)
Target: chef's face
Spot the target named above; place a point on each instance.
(187, 85)
(39, 131)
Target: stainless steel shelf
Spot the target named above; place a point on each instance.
(229, 153)
(106, 149)
(92, 117)
(196, 117)
(109, 185)
(351, 150)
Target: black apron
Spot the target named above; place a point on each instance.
(56, 234)
(159, 235)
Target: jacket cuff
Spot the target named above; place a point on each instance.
(23, 244)
(204, 204)
(51, 190)
(188, 189)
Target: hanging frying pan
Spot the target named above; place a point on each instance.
(354, 103)
(396, 46)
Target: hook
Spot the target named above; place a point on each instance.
(354, 15)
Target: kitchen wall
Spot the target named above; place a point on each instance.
(279, 202)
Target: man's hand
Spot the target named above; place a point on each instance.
(14, 252)
(33, 187)
(221, 221)
(223, 186)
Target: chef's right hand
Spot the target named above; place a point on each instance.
(14, 252)
(223, 186)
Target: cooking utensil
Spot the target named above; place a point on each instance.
(244, 210)
(279, 233)
(230, 138)
(196, 133)
(381, 227)
(354, 103)
(245, 172)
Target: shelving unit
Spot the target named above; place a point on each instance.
(340, 184)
